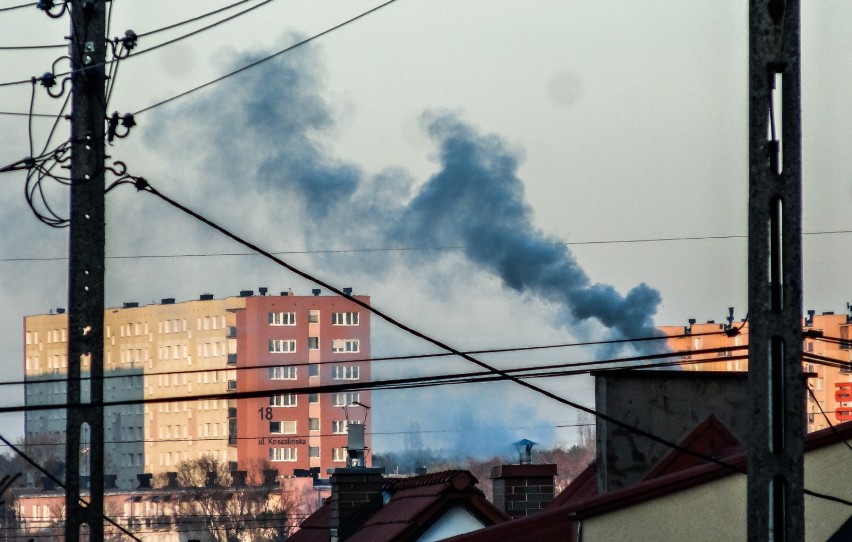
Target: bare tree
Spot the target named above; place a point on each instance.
(253, 511)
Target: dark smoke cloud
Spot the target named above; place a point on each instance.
(260, 138)
(477, 200)
(271, 121)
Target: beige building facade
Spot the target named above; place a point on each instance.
(827, 354)
(156, 352)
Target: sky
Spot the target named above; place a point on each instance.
(535, 138)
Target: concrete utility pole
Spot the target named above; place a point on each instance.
(776, 380)
(85, 425)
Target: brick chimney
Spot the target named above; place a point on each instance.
(356, 492)
(238, 478)
(144, 480)
(522, 490)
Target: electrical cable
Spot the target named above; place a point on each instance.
(199, 30)
(10, 8)
(58, 482)
(353, 385)
(32, 379)
(262, 60)
(315, 434)
(143, 34)
(193, 19)
(825, 415)
(142, 185)
(385, 249)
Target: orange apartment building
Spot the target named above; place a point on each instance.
(286, 342)
(210, 346)
(832, 386)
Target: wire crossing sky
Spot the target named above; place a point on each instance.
(612, 132)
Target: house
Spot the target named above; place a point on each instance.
(366, 507)
(684, 498)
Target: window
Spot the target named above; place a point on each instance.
(344, 319)
(313, 369)
(283, 400)
(283, 428)
(338, 454)
(345, 373)
(313, 424)
(313, 317)
(338, 427)
(282, 345)
(346, 398)
(313, 451)
(346, 345)
(282, 318)
(313, 398)
(282, 373)
(282, 454)
(313, 343)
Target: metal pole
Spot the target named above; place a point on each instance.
(776, 381)
(86, 269)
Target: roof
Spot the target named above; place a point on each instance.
(415, 504)
(675, 472)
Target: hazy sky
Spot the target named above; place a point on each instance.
(504, 127)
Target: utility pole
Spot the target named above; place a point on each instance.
(85, 421)
(775, 378)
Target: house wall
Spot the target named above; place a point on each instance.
(668, 404)
(717, 510)
(454, 521)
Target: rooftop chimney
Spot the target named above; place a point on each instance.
(47, 484)
(522, 490)
(238, 478)
(347, 291)
(144, 480)
(270, 477)
(810, 320)
(205, 297)
(316, 291)
(524, 448)
(60, 310)
(262, 290)
(355, 493)
(167, 301)
(246, 293)
(131, 304)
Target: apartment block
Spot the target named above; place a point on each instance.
(166, 353)
(830, 383)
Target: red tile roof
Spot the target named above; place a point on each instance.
(415, 504)
(556, 523)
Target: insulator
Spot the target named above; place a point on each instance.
(130, 39)
(48, 80)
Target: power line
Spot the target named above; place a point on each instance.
(37, 380)
(58, 482)
(825, 415)
(11, 8)
(389, 249)
(265, 59)
(514, 375)
(148, 33)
